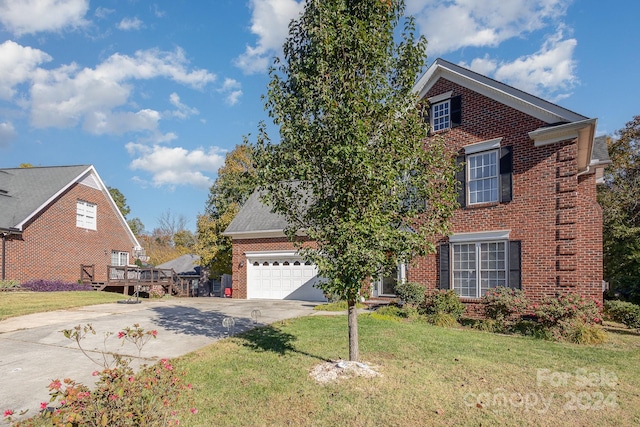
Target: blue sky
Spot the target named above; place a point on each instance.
(153, 94)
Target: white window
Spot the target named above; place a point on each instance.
(479, 266)
(86, 215)
(482, 173)
(440, 115)
(119, 258)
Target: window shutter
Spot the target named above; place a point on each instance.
(461, 178)
(456, 111)
(425, 112)
(444, 267)
(515, 271)
(506, 174)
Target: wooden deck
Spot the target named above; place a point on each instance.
(128, 279)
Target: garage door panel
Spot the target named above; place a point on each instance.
(283, 279)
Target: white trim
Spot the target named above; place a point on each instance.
(441, 97)
(477, 147)
(479, 236)
(507, 95)
(272, 254)
(583, 131)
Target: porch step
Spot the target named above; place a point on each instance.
(373, 303)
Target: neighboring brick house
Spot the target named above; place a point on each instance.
(53, 220)
(528, 219)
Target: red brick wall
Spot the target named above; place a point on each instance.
(553, 212)
(239, 268)
(53, 248)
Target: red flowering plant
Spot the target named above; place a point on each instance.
(563, 314)
(155, 395)
(503, 304)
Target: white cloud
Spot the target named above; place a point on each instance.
(128, 24)
(17, 65)
(456, 24)
(183, 111)
(270, 22)
(548, 73)
(103, 12)
(33, 16)
(7, 133)
(173, 166)
(232, 90)
(69, 95)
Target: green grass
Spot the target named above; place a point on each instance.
(336, 306)
(20, 303)
(430, 376)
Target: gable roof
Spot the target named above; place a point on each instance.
(24, 192)
(503, 93)
(562, 124)
(256, 217)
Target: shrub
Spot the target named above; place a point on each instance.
(584, 333)
(441, 301)
(42, 285)
(410, 293)
(623, 312)
(561, 315)
(445, 320)
(154, 396)
(501, 304)
(156, 291)
(9, 284)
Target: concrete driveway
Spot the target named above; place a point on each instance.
(33, 351)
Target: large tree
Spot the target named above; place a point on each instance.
(620, 200)
(235, 182)
(353, 170)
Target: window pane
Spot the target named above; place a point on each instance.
(483, 177)
(440, 113)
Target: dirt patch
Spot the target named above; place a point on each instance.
(327, 372)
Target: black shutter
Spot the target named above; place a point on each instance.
(443, 283)
(506, 174)
(456, 111)
(515, 271)
(461, 178)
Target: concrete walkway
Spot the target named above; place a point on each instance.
(33, 351)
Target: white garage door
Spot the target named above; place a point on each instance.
(282, 278)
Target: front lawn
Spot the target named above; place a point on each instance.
(17, 303)
(429, 376)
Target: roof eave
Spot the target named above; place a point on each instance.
(533, 106)
(583, 131)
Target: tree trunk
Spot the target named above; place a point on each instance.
(353, 330)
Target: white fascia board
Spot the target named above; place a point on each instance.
(21, 224)
(114, 206)
(583, 131)
(479, 236)
(272, 254)
(437, 71)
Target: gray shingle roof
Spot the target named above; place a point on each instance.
(188, 264)
(24, 190)
(255, 216)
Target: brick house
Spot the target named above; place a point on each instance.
(528, 214)
(53, 220)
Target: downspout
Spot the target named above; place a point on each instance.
(4, 247)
